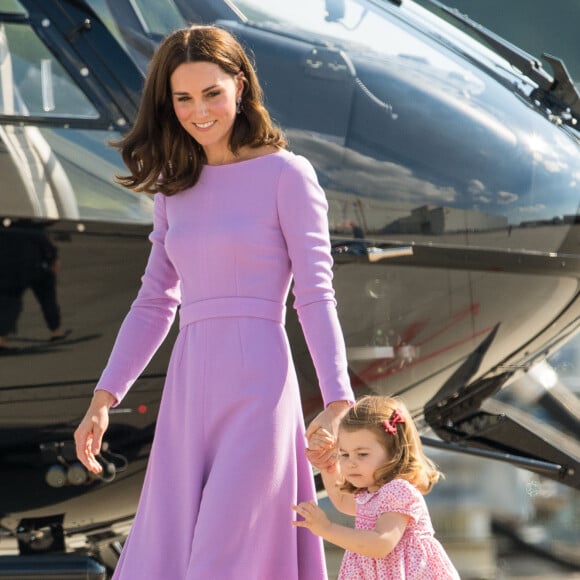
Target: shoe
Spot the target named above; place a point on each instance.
(8, 350)
(60, 336)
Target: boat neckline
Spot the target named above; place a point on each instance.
(244, 161)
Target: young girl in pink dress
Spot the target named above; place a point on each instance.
(380, 476)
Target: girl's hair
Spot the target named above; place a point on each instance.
(404, 448)
(158, 152)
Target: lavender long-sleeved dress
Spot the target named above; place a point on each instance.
(228, 454)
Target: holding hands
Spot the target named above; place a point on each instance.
(321, 451)
(323, 454)
(322, 434)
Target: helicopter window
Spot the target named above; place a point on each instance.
(139, 25)
(90, 165)
(358, 26)
(101, 7)
(33, 82)
(11, 6)
(66, 173)
(155, 17)
(55, 173)
(158, 17)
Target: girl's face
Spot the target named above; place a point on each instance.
(204, 100)
(361, 454)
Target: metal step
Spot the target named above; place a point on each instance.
(51, 567)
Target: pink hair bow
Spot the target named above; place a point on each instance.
(391, 426)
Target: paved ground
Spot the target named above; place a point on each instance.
(508, 567)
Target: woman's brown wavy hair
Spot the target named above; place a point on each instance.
(404, 447)
(159, 153)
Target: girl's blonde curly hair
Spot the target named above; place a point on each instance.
(407, 459)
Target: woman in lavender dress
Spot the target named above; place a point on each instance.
(236, 218)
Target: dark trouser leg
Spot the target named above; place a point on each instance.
(10, 308)
(44, 288)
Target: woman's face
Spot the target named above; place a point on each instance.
(204, 100)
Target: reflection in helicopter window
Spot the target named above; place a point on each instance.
(55, 173)
(490, 174)
(70, 174)
(28, 260)
(33, 82)
(91, 165)
(137, 30)
(358, 26)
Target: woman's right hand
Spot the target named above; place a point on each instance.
(89, 434)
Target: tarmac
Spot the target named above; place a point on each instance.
(512, 566)
(508, 563)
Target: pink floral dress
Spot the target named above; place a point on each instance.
(417, 556)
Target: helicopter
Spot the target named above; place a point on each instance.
(451, 171)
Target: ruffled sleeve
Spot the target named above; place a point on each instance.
(302, 211)
(150, 317)
(399, 496)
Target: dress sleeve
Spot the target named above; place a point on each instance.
(150, 317)
(302, 210)
(399, 496)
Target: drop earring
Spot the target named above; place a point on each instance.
(238, 105)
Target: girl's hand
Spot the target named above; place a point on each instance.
(89, 434)
(320, 440)
(321, 450)
(314, 518)
(322, 434)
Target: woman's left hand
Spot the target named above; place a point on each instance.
(321, 451)
(329, 418)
